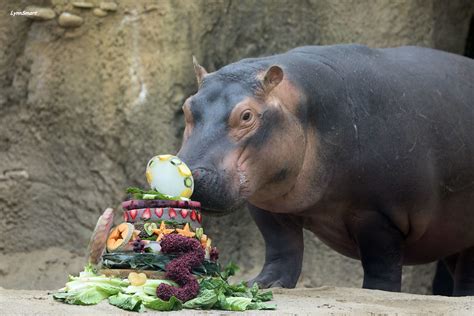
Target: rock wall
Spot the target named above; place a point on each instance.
(87, 98)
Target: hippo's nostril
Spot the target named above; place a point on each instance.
(199, 172)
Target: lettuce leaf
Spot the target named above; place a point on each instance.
(237, 303)
(263, 296)
(127, 302)
(89, 296)
(206, 299)
(89, 289)
(173, 304)
(138, 301)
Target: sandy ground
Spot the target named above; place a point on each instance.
(316, 301)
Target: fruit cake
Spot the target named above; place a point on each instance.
(161, 234)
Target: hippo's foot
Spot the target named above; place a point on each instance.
(276, 274)
(464, 273)
(455, 275)
(283, 235)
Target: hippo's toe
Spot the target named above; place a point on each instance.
(266, 281)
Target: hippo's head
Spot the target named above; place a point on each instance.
(243, 140)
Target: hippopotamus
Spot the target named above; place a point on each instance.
(372, 150)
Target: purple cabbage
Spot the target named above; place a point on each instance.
(191, 255)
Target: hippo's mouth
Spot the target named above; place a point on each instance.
(215, 212)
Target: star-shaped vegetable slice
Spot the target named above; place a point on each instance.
(186, 232)
(135, 234)
(162, 231)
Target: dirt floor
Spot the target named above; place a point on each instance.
(315, 301)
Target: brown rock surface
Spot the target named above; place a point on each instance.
(99, 12)
(70, 20)
(82, 110)
(108, 6)
(41, 13)
(83, 4)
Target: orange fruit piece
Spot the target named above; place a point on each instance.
(120, 236)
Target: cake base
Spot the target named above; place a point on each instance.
(123, 273)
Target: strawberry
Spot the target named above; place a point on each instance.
(184, 213)
(193, 215)
(133, 214)
(171, 212)
(199, 218)
(159, 212)
(146, 214)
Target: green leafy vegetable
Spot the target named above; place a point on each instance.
(127, 302)
(206, 300)
(90, 296)
(87, 296)
(89, 288)
(215, 293)
(140, 194)
(264, 296)
(136, 298)
(229, 270)
(237, 303)
(173, 304)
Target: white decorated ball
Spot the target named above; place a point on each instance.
(167, 174)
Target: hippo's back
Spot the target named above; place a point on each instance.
(404, 112)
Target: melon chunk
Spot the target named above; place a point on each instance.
(120, 236)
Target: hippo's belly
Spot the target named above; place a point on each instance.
(328, 224)
(447, 229)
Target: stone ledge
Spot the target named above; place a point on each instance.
(314, 301)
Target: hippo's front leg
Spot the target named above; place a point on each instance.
(283, 237)
(380, 247)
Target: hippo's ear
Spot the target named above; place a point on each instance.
(200, 71)
(273, 76)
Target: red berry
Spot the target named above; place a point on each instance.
(159, 212)
(146, 214)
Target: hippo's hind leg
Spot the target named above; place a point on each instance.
(283, 237)
(380, 247)
(464, 273)
(443, 280)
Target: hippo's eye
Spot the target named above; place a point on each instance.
(246, 116)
